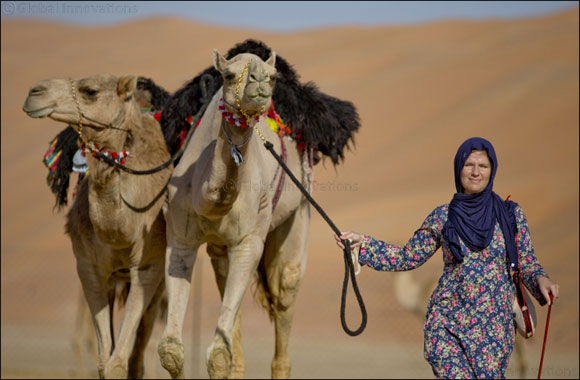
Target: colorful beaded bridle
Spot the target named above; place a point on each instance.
(90, 146)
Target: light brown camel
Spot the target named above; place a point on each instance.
(213, 200)
(115, 224)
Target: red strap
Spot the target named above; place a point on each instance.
(278, 192)
(521, 299)
(545, 335)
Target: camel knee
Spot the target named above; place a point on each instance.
(289, 283)
(171, 354)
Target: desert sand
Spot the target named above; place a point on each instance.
(420, 91)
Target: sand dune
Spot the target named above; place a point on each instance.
(420, 91)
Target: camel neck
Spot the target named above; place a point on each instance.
(226, 176)
(116, 198)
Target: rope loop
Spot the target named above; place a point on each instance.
(348, 264)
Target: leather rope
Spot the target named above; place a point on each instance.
(348, 264)
(173, 158)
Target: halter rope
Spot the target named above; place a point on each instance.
(348, 264)
(111, 161)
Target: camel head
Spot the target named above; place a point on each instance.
(104, 101)
(248, 77)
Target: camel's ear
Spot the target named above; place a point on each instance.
(272, 60)
(126, 86)
(219, 61)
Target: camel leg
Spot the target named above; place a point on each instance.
(284, 264)
(144, 284)
(243, 261)
(83, 340)
(136, 361)
(96, 293)
(220, 266)
(178, 269)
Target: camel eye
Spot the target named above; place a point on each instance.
(229, 76)
(88, 91)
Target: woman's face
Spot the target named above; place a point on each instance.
(476, 172)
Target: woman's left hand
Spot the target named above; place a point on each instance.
(548, 286)
(354, 237)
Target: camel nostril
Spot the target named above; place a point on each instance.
(37, 90)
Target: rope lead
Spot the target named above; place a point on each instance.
(348, 265)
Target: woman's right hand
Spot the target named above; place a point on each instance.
(355, 239)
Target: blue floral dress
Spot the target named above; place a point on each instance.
(469, 329)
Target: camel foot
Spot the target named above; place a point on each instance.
(281, 369)
(171, 354)
(238, 371)
(116, 369)
(219, 363)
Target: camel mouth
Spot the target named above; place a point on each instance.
(259, 98)
(38, 113)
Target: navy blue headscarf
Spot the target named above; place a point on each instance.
(472, 217)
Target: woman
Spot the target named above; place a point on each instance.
(469, 330)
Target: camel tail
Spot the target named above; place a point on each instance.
(262, 292)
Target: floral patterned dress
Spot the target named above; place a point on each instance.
(469, 329)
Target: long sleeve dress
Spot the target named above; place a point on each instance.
(469, 329)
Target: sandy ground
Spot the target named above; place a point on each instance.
(420, 91)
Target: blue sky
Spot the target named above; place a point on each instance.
(280, 16)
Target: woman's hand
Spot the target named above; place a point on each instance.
(548, 286)
(355, 239)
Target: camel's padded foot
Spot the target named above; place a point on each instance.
(238, 370)
(281, 368)
(116, 369)
(171, 354)
(219, 364)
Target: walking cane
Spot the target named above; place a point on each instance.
(545, 335)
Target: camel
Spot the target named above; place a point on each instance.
(115, 224)
(59, 159)
(319, 124)
(220, 194)
(328, 130)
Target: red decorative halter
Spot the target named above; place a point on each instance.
(94, 149)
(234, 118)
